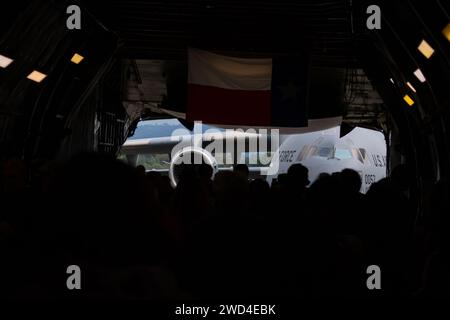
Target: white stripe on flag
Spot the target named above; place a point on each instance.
(209, 69)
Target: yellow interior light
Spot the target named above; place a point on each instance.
(37, 76)
(408, 100)
(425, 49)
(5, 61)
(77, 58)
(446, 32)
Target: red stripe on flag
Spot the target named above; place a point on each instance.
(226, 106)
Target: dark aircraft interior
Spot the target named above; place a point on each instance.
(71, 94)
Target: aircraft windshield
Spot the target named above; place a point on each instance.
(325, 152)
(342, 154)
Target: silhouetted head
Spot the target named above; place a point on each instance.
(230, 189)
(105, 205)
(140, 169)
(259, 187)
(185, 171)
(153, 175)
(205, 171)
(350, 180)
(323, 175)
(242, 169)
(259, 195)
(282, 179)
(298, 175)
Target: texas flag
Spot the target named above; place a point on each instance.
(247, 92)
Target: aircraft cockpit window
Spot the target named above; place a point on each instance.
(325, 152)
(343, 154)
(307, 152)
(303, 153)
(363, 152)
(312, 150)
(330, 151)
(359, 154)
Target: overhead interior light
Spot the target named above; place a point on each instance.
(411, 87)
(392, 80)
(408, 100)
(426, 49)
(5, 61)
(418, 73)
(37, 76)
(77, 58)
(446, 32)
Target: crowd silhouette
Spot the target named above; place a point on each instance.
(135, 237)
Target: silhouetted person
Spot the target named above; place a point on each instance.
(297, 176)
(205, 171)
(260, 197)
(389, 227)
(140, 169)
(350, 180)
(401, 176)
(104, 219)
(283, 180)
(243, 170)
(295, 187)
(352, 202)
(436, 263)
